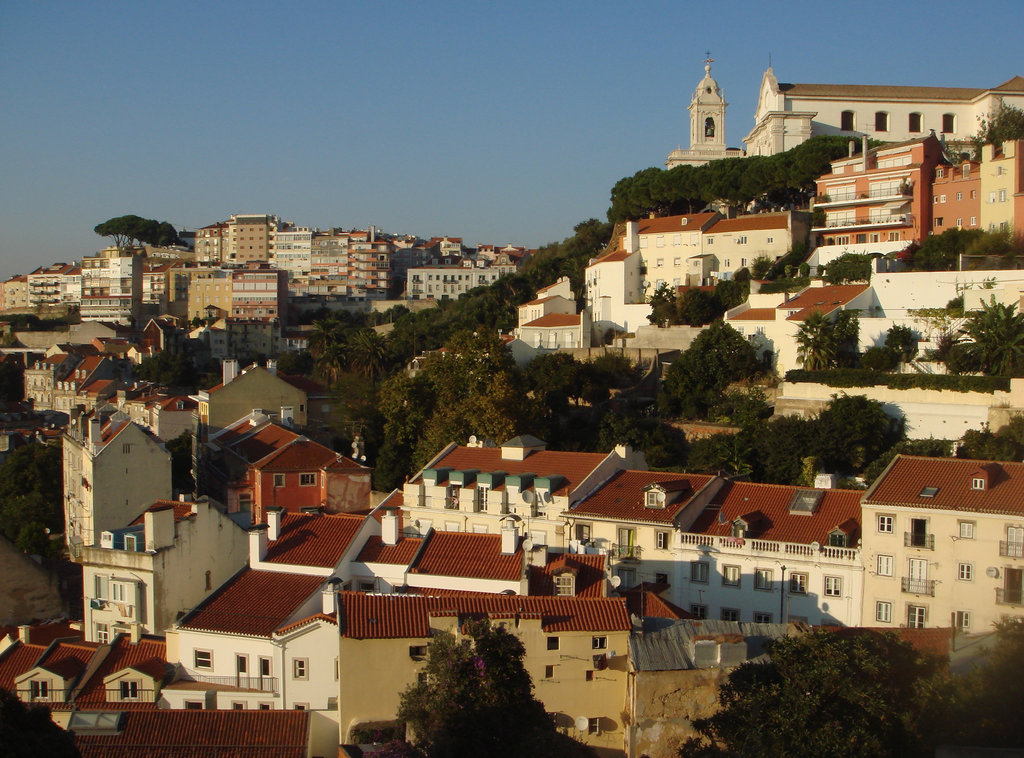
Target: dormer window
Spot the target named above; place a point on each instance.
(978, 483)
(739, 528)
(565, 585)
(837, 538)
(654, 497)
(929, 492)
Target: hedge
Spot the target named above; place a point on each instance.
(858, 377)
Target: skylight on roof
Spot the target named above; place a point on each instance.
(929, 492)
(805, 501)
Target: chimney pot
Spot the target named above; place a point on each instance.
(274, 522)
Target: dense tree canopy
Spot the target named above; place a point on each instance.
(846, 693)
(31, 497)
(135, 230)
(29, 731)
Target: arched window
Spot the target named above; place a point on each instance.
(881, 121)
(914, 124)
(948, 123)
(709, 127)
(846, 121)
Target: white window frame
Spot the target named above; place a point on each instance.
(798, 583)
(699, 571)
(307, 480)
(661, 540)
(885, 523)
(884, 564)
(883, 611)
(833, 586)
(300, 669)
(202, 659)
(965, 572)
(764, 579)
(732, 576)
(966, 530)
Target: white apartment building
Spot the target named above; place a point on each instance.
(112, 286)
(293, 250)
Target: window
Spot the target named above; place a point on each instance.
(939, 173)
(264, 666)
(833, 586)
(552, 643)
(881, 121)
(731, 576)
(237, 706)
(300, 668)
(763, 579)
(741, 240)
(279, 480)
(962, 620)
(102, 633)
(883, 611)
(699, 572)
(39, 690)
(846, 122)
(565, 585)
(965, 572)
(885, 524)
(730, 614)
(590, 675)
(661, 540)
(914, 122)
(798, 584)
(203, 659)
(307, 480)
(917, 616)
(599, 643)
(195, 705)
(594, 726)
(1002, 196)
(978, 483)
(130, 690)
(959, 195)
(549, 672)
(967, 530)
(948, 123)
(583, 532)
(761, 617)
(884, 565)
(699, 611)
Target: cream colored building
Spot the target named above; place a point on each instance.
(112, 286)
(616, 293)
(250, 237)
(16, 293)
(1002, 187)
(112, 471)
(209, 288)
(944, 544)
(670, 249)
(790, 114)
(576, 654)
(155, 568)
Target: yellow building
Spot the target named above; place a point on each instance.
(576, 654)
(1002, 186)
(208, 288)
(943, 544)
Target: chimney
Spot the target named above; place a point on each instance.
(509, 540)
(373, 233)
(632, 241)
(851, 147)
(329, 596)
(389, 527)
(95, 433)
(257, 544)
(272, 367)
(135, 630)
(25, 633)
(864, 152)
(229, 370)
(274, 522)
(158, 526)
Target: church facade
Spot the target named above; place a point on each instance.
(707, 126)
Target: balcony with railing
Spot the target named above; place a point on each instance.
(242, 681)
(626, 552)
(771, 547)
(1006, 596)
(918, 586)
(877, 222)
(920, 541)
(874, 195)
(1011, 549)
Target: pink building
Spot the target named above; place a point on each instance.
(260, 293)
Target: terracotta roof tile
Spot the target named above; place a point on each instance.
(694, 223)
(589, 571)
(298, 455)
(254, 446)
(253, 603)
(904, 481)
(575, 467)
(45, 632)
(201, 733)
(755, 314)
(753, 222)
(556, 319)
(313, 539)
(302, 383)
(468, 555)
(774, 521)
(182, 510)
(16, 661)
(68, 659)
(622, 496)
(364, 616)
(401, 553)
(646, 603)
(883, 91)
(148, 655)
(822, 300)
(315, 618)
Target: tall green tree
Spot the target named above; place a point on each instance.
(31, 496)
(996, 339)
(366, 353)
(816, 348)
(476, 698)
(826, 693)
(136, 230)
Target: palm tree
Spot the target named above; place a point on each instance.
(816, 345)
(366, 353)
(325, 334)
(997, 339)
(332, 362)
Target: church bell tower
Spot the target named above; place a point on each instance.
(707, 113)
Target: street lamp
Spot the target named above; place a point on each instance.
(782, 596)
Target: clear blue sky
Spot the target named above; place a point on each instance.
(496, 122)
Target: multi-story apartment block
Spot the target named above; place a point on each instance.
(735, 243)
(211, 242)
(617, 291)
(113, 470)
(147, 573)
(156, 284)
(293, 249)
(369, 267)
(450, 281)
(880, 195)
(63, 382)
(944, 544)
(58, 284)
(250, 237)
(1002, 186)
(259, 293)
(329, 256)
(956, 197)
(16, 293)
(112, 286)
(209, 293)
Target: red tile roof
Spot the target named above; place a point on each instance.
(468, 555)
(589, 571)
(556, 319)
(612, 257)
(773, 521)
(148, 655)
(751, 223)
(182, 510)
(646, 603)
(622, 496)
(16, 661)
(201, 733)
(315, 618)
(300, 454)
(575, 467)
(253, 603)
(908, 475)
(68, 659)
(822, 300)
(694, 222)
(45, 632)
(254, 446)
(755, 314)
(402, 553)
(313, 540)
(364, 616)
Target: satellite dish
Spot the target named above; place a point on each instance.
(582, 722)
(992, 572)
(527, 496)
(815, 546)
(546, 496)
(661, 497)
(527, 544)
(616, 581)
